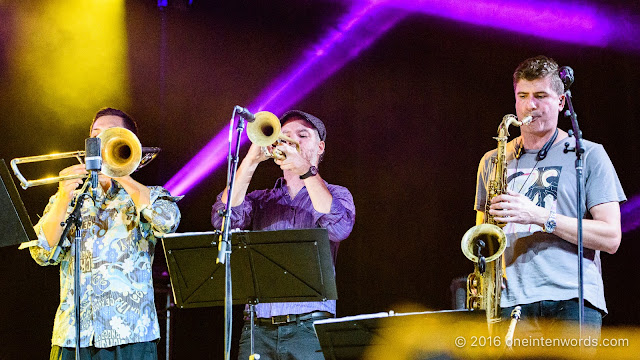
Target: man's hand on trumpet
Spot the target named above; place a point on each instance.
(256, 154)
(295, 162)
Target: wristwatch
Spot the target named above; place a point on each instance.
(313, 171)
(550, 225)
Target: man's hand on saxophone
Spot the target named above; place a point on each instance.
(514, 207)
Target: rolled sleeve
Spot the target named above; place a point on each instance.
(240, 215)
(43, 253)
(341, 218)
(162, 216)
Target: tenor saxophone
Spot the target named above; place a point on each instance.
(485, 243)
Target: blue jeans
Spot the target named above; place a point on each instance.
(557, 317)
(281, 342)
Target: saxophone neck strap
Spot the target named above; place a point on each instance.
(543, 152)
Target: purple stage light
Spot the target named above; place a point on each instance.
(357, 31)
(630, 212)
(201, 165)
(573, 22)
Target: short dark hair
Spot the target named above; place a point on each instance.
(539, 67)
(127, 121)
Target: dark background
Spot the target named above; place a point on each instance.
(407, 120)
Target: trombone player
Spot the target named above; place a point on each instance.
(118, 315)
(300, 199)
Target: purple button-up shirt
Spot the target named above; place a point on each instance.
(275, 210)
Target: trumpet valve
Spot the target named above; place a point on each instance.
(278, 154)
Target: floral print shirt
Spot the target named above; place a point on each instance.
(117, 248)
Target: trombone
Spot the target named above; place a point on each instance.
(265, 131)
(121, 152)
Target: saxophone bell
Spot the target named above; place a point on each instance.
(492, 239)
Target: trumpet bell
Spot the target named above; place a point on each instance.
(265, 129)
(493, 237)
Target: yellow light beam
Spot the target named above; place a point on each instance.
(71, 56)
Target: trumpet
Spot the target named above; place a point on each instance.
(265, 131)
(121, 152)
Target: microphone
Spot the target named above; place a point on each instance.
(244, 113)
(566, 75)
(92, 159)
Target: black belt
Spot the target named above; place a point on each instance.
(293, 318)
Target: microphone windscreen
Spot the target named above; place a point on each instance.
(92, 156)
(566, 75)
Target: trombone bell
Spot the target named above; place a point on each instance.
(121, 151)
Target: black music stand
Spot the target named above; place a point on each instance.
(15, 224)
(268, 266)
(347, 338)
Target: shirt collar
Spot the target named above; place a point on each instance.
(114, 189)
(280, 183)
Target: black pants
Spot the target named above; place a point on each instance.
(137, 351)
(292, 341)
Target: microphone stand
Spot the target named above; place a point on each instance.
(579, 150)
(75, 218)
(224, 243)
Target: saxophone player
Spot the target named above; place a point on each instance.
(540, 210)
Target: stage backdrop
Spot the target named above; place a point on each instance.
(409, 110)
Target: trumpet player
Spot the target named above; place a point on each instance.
(299, 199)
(540, 210)
(119, 228)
